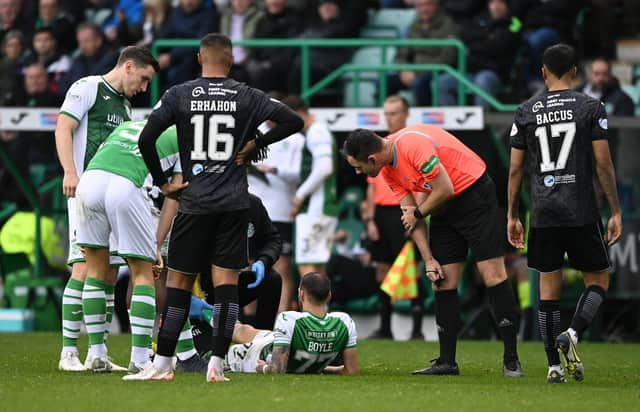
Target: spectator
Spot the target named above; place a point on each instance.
(45, 52)
(545, 22)
(331, 23)
(267, 66)
(238, 22)
(13, 49)
(41, 145)
(10, 18)
(127, 15)
(430, 23)
(602, 85)
(191, 19)
(155, 18)
(50, 15)
(492, 43)
(95, 56)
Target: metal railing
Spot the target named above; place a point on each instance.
(305, 45)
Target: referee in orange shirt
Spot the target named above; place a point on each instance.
(464, 213)
(385, 231)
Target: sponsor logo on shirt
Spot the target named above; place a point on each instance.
(251, 230)
(427, 167)
(197, 168)
(549, 180)
(537, 106)
(433, 117)
(368, 119)
(106, 97)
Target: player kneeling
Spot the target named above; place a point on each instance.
(301, 342)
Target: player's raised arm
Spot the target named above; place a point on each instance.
(64, 146)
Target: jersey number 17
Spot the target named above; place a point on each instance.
(220, 145)
(568, 131)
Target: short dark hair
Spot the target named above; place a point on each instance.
(88, 25)
(559, 59)
(317, 286)
(47, 30)
(140, 55)
(219, 47)
(399, 98)
(215, 40)
(360, 144)
(295, 103)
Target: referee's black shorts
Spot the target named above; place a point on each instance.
(218, 239)
(583, 245)
(392, 238)
(473, 221)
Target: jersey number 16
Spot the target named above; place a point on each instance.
(220, 145)
(557, 130)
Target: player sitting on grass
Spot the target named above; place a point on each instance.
(301, 342)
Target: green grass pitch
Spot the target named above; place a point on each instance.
(30, 381)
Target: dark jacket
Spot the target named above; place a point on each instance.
(558, 14)
(83, 66)
(40, 145)
(442, 27)
(616, 101)
(265, 242)
(491, 44)
(195, 25)
(63, 30)
(285, 25)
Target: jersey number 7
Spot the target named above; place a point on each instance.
(220, 145)
(557, 130)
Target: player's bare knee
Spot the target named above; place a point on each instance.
(596, 279)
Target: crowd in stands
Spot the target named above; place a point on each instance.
(72, 39)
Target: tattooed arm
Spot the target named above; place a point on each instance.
(278, 364)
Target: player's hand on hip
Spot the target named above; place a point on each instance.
(372, 231)
(172, 190)
(515, 233)
(434, 271)
(244, 155)
(408, 218)
(70, 183)
(615, 229)
(259, 269)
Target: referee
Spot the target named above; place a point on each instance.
(464, 213)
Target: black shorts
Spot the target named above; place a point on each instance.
(470, 221)
(218, 239)
(584, 246)
(392, 238)
(286, 234)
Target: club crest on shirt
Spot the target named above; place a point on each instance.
(251, 230)
(537, 106)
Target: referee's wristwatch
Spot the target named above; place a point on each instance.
(417, 214)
